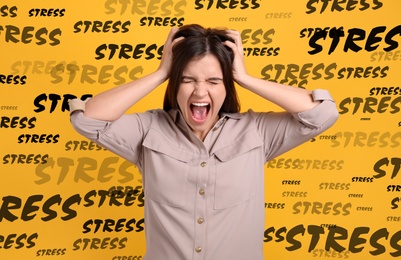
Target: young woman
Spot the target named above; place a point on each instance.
(202, 160)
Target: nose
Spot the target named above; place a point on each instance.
(200, 89)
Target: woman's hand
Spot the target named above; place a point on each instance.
(239, 70)
(166, 60)
(113, 103)
(292, 99)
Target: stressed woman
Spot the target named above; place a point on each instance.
(201, 159)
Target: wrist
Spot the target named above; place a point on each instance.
(161, 74)
(244, 80)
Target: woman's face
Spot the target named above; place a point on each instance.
(201, 94)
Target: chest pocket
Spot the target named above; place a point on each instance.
(165, 170)
(237, 170)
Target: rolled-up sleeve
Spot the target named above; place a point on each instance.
(87, 127)
(122, 136)
(282, 131)
(323, 115)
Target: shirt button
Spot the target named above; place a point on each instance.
(203, 164)
(202, 192)
(198, 249)
(200, 220)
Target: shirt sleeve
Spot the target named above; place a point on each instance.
(123, 136)
(283, 131)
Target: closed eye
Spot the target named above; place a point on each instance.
(210, 81)
(214, 81)
(187, 80)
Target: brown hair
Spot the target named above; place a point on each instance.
(198, 42)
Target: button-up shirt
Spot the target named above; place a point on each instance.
(205, 199)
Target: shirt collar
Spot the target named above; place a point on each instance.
(232, 115)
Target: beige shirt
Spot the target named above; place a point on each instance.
(205, 200)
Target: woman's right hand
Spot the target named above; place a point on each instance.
(113, 103)
(166, 60)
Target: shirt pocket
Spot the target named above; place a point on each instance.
(237, 167)
(165, 170)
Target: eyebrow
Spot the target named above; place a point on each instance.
(192, 78)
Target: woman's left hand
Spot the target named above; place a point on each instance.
(239, 70)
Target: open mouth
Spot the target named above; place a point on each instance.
(199, 111)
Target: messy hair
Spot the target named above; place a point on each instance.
(197, 43)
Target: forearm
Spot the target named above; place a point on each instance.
(291, 99)
(113, 103)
